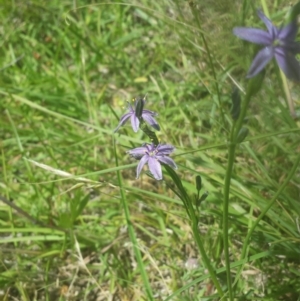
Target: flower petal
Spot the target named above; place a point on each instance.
(155, 168)
(141, 165)
(149, 119)
(288, 64)
(292, 47)
(137, 152)
(150, 112)
(167, 160)
(135, 123)
(260, 61)
(273, 30)
(253, 35)
(123, 119)
(165, 149)
(288, 32)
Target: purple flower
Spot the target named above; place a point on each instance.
(146, 115)
(154, 156)
(278, 42)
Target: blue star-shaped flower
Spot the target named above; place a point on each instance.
(279, 43)
(154, 156)
(146, 115)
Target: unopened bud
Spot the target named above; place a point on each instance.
(242, 135)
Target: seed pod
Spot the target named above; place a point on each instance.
(242, 135)
(198, 183)
(203, 197)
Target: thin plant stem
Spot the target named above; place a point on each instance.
(132, 236)
(204, 256)
(231, 155)
(288, 95)
(194, 220)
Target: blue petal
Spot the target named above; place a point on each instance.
(253, 35)
(167, 160)
(292, 47)
(138, 152)
(123, 119)
(273, 30)
(149, 119)
(288, 32)
(165, 149)
(141, 165)
(260, 61)
(135, 123)
(288, 64)
(155, 168)
(150, 112)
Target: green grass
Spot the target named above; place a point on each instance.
(67, 70)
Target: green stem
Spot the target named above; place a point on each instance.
(204, 256)
(231, 155)
(132, 236)
(188, 204)
(151, 135)
(288, 95)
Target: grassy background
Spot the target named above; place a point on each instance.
(67, 70)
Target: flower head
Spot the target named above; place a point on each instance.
(146, 115)
(154, 156)
(278, 42)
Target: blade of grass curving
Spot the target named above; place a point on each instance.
(132, 233)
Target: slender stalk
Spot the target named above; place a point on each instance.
(194, 219)
(231, 155)
(204, 256)
(288, 95)
(132, 236)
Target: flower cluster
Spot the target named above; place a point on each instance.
(279, 43)
(153, 154)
